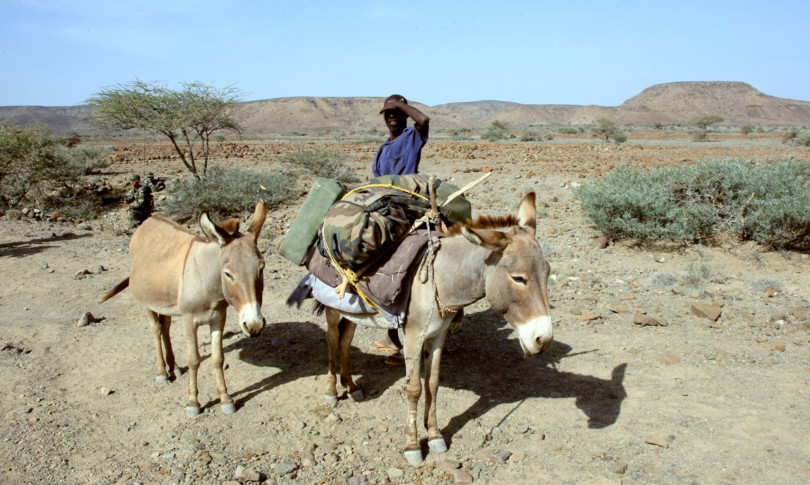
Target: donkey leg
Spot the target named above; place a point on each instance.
(333, 339)
(218, 362)
(165, 336)
(432, 363)
(347, 329)
(190, 327)
(157, 332)
(413, 389)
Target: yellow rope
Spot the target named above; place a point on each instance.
(387, 186)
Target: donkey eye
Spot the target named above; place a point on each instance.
(519, 279)
(229, 276)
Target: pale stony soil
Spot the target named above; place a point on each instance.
(689, 400)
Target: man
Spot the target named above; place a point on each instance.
(155, 184)
(399, 155)
(140, 202)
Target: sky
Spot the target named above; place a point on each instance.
(60, 53)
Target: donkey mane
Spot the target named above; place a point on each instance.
(484, 222)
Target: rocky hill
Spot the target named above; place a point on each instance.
(739, 103)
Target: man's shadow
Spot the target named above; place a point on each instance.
(480, 358)
(22, 249)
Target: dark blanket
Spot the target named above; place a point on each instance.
(383, 281)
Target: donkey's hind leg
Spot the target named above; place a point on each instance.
(165, 335)
(347, 329)
(156, 326)
(332, 340)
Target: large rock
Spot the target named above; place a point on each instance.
(702, 310)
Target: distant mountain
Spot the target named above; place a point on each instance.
(737, 102)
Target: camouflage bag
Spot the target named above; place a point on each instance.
(371, 219)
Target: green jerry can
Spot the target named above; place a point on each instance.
(304, 229)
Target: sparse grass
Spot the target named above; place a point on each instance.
(761, 284)
(322, 162)
(229, 192)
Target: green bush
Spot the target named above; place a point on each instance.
(229, 192)
(322, 162)
(530, 136)
(768, 203)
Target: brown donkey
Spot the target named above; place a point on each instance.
(177, 273)
(494, 258)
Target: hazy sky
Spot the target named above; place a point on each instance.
(58, 53)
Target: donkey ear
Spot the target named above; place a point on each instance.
(257, 222)
(213, 232)
(487, 238)
(527, 212)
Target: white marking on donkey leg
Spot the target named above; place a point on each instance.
(162, 379)
(192, 411)
(228, 408)
(438, 445)
(330, 399)
(414, 457)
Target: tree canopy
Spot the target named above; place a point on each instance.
(187, 116)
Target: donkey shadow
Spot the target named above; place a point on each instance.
(498, 373)
(299, 350)
(480, 358)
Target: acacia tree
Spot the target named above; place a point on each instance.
(188, 116)
(704, 122)
(607, 129)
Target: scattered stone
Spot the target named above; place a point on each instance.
(619, 308)
(100, 269)
(667, 358)
(461, 477)
(205, 458)
(600, 242)
(448, 465)
(285, 467)
(246, 474)
(82, 274)
(44, 265)
(24, 410)
(357, 480)
(145, 467)
(105, 392)
(298, 425)
(778, 347)
(702, 310)
(589, 317)
(517, 456)
(333, 418)
(491, 459)
(657, 441)
(627, 296)
(801, 313)
(86, 319)
(645, 320)
(619, 467)
(395, 473)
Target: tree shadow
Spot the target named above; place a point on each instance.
(22, 249)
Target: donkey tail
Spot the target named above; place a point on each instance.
(116, 290)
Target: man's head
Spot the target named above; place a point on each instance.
(135, 179)
(395, 119)
(150, 175)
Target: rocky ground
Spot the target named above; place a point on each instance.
(670, 364)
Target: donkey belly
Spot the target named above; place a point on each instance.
(374, 320)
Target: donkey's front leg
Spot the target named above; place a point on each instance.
(190, 328)
(218, 362)
(432, 363)
(156, 326)
(413, 389)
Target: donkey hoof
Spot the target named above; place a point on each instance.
(228, 408)
(162, 379)
(438, 445)
(414, 457)
(178, 373)
(357, 395)
(330, 399)
(193, 411)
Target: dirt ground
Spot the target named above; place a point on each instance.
(678, 398)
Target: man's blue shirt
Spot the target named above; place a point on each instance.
(401, 155)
